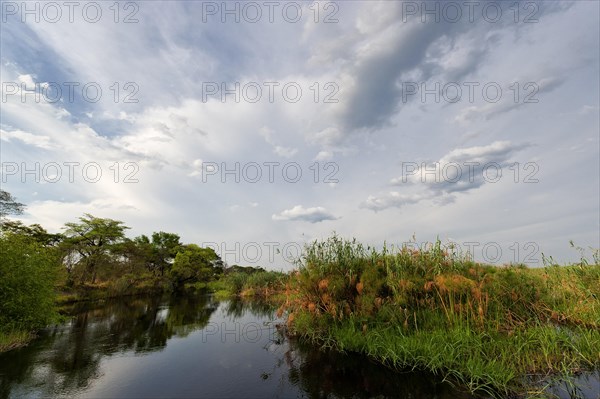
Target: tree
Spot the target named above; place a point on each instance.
(9, 205)
(34, 232)
(94, 240)
(28, 273)
(194, 263)
(164, 249)
(157, 253)
(134, 255)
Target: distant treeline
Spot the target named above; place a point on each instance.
(92, 257)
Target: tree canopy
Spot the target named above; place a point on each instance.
(195, 263)
(9, 205)
(94, 240)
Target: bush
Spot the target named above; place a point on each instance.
(28, 273)
(251, 283)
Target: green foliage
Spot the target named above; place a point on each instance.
(90, 244)
(162, 251)
(193, 263)
(28, 272)
(34, 231)
(249, 281)
(9, 205)
(483, 326)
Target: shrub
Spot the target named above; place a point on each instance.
(28, 273)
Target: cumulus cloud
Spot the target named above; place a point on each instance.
(383, 49)
(525, 96)
(27, 138)
(170, 133)
(460, 170)
(392, 199)
(299, 213)
(285, 152)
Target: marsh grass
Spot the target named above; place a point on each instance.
(496, 330)
(14, 339)
(259, 283)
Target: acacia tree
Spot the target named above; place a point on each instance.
(9, 205)
(194, 263)
(94, 240)
(35, 232)
(155, 254)
(158, 252)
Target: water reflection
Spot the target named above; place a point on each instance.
(67, 357)
(193, 346)
(329, 374)
(238, 308)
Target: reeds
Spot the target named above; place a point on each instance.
(483, 326)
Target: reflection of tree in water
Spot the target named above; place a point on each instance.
(330, 374)
(67, 359)
(238, 308)
(72, 353)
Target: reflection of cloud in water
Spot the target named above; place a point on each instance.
(161, 316)
(153, 347)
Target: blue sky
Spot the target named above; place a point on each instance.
(361, 98)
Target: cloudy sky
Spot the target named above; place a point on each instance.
(255, 127)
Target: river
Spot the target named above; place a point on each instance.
(193, 346)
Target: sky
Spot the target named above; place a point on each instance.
(256, 127)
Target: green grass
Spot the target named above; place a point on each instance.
(260, 283)
(126, 285)
(496, 330)
(14, 339)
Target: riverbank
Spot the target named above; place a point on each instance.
(244, 283)
(500, 331)
(108, 290)
(250, 283)
(15, 339)
(67, 297)
(193, 343)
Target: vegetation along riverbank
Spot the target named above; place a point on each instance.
(494, 330)
(498, 331)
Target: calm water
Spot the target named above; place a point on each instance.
(193, 346)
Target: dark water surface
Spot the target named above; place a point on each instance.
(194, 347)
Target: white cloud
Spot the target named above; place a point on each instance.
(299, 213)
(511, 98)
(324, 156)
(460, 170)
(393, 200)
(285, 152)
(27, 80)
(27, 138)
(171, 133)
(589, 109)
